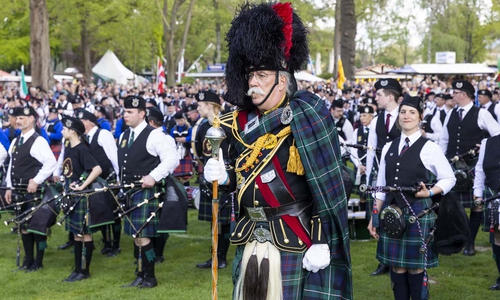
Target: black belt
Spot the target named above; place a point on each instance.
(262, 214)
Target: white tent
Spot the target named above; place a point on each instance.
(304, 76)
(110, 67)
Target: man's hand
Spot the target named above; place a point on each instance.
(56, 179)
(8, 196)
(180, 139)
(32, 186)
(148, 182)
(372, 230)
(316, 258)
(362, 169)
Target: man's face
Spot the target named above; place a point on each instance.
(483, 99)
(260, 84)
(193, 115)
(24, 122)
(382, 99)
(53, 116)
(133, 116)
(170, 110)
(461, 98)
(337, 112)
(365, 119)
(450, 103)
(439, 101)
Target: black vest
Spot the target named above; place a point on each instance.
(491, 163)
(340, 124)
(183, 133)
(24, 166)
(135, 162)
(463, 136)
(427, 124)
(362, 139)
(382, 137)
(100, 156)
(404, 171)
(491, 109)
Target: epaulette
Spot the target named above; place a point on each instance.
(226, 119)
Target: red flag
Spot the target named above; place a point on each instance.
(160, 78)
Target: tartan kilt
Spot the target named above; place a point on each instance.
(185, 165)
(293, 276)
(76, 218)
(56, 149)
(487, 210)
(205, 209)
(404, 251)
(20, 197)
(139, 216)
(466, 198)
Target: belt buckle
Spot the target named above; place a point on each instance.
(256, 214)
(262, 235)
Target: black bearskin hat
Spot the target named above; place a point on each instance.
(267, 36)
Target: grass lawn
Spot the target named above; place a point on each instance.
(457, 277)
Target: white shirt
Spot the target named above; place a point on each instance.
(436, 126)
(485, 121)
(106, 140)
(496, 110)
(40, 150)
(347, 129)
(432, 158)
(354, 152)
(480, 177)
(372, 138)
(161, 145)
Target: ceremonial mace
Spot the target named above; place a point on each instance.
(215, 135)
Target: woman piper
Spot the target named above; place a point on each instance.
(487, 183)
(405, 162)
(77, 161)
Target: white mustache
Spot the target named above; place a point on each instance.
(255, 90)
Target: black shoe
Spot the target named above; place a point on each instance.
(221, 263)
(22, 268)
(66, 246)
(137, 282)
(35, 267)
(159, 259)
(381, 269)
(114, 252)
(106, 250)
(148, 283)
(469, 250)
(495, 287)
(78, 277)
(71, 277)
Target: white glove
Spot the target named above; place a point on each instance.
(317, 257)
(216, 170)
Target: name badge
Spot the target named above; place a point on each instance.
(252, 124)
(268, 176)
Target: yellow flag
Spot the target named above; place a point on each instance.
(340, 75)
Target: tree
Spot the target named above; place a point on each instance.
(348, 38)
(41, 73)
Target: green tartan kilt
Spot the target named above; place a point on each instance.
(205, 209)
(139, 216)
(404, 251)
(75, 222)
(487, 213)
(466, 198)
(20, 197)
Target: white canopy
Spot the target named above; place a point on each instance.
(304, 76)
(446, 69)
(110, 67)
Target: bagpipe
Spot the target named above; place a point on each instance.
(361, 147)
(391, 189)
(171, 210)
(463, 167)
(450, 231)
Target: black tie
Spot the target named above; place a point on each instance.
(21, 141)
(460, 110)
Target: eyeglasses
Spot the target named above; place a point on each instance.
(260, 76)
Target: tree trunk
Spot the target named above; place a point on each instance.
(348, 38)
(336, 39)
(41, 71)
(217, 34)
(85, 40)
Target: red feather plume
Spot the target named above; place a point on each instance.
(285, 11)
